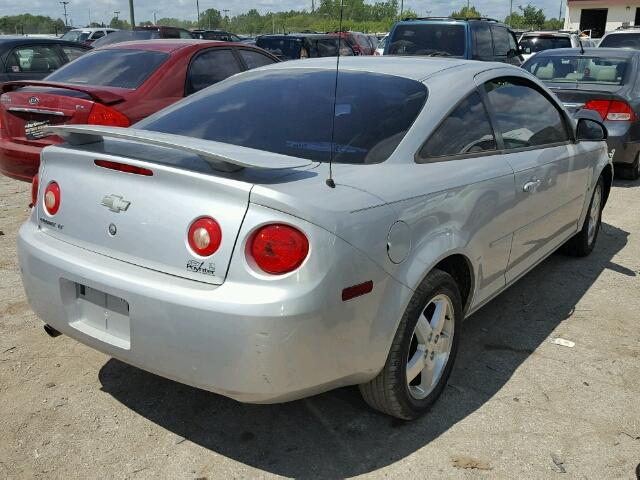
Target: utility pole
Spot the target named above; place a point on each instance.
(401, 8)
(64, 5)
(155, 22)
(198, 9)
(560, 14)
(510, 13)
(117, 13)
(226, 17)
(313, 6)
(133, 20)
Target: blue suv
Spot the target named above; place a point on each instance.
(471, 38)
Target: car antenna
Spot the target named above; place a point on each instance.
(330, 183)
(581, 47)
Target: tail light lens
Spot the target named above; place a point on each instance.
(102, 115)
(278, 249)
(52, 198)
(613, 110)
(123, 167)
(35, 183)
(204, 236)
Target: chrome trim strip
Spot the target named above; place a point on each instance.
(36, 110)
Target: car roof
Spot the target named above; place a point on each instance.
(598, 52)
(168, 45)
(624, 30)
(414, 68)
(301, 35)
(11, 40)
(90, 29)
(451, 20)
(548, 33)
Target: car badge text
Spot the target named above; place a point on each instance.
(115, 203)
(34, 101)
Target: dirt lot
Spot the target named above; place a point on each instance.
(517, 405)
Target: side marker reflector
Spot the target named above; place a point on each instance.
(357, 290)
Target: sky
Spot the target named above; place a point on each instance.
(102, 10)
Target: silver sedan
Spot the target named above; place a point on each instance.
(267, 240)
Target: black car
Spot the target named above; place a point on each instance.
(605, 81)
(482, 39)
(220, 35)
(295, 46)
(26, 58)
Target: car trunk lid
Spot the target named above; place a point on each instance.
(144, 219)
(575, 96)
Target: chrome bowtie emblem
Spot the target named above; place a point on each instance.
(115, 203)
(113, 229)
(34, 101)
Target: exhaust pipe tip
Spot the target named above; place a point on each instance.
(52, 332)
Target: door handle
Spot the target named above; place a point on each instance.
(531, 186)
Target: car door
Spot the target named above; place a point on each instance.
(33, 62)
(550, 176)
(211, 66)
(464, 147)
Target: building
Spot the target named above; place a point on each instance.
(601, 16)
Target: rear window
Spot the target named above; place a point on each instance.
(538, 44)
(428, 39)
(290, 112)
(622, 40)
(74, 36)
(285, 48)
(111, 68)
(574, 69)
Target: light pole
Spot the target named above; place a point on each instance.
(131, 15)
(401, 8)
(155, 22)
(117, 13)
(560, 14)
(510, 13)
(64, 5)
(198, 9)
(226, 16)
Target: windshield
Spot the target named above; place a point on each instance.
(382, 43)
(290, 112)
(578, 69)
(126, 36)
(284, 48)
(75, 36)
(427, 39)
(538, 44)
(111, 68)
(622, 40)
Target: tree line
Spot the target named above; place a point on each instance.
(356, 15)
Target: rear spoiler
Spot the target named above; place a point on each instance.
(227, 157)
(103, 96)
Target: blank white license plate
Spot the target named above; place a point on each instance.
(102, 316)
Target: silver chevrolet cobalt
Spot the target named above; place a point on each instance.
(281, 234)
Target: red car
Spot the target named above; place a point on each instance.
(359, 42)
(116, 85)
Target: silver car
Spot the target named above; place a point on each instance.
(267, 241)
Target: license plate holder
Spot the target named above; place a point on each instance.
(34, 130)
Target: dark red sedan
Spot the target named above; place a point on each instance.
(116, 85)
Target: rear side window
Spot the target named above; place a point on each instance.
(209, 67)
(500, 40)
(36, 59)
(291, 112)
(184, 34)
(283, 48)
(622, 40)
(482, 43)
(72, 52)
(254, 59)
(466, 130)
(525, 117)
(111, 68)
(428, 39)
(97, 34)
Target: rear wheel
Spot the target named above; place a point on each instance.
(422, 353)
(582, 244)
(631, 172)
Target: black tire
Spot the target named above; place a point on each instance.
(389, 391)
(632, 172)
(581, 245)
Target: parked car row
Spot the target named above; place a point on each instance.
(202, 210)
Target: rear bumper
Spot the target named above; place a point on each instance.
(19, 161)
(253, 344)
(621, 140)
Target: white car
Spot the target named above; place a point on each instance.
(622, 38)
(534, 42)
(381, 45)
(87, 35)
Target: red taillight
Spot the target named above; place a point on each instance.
(52, 198)
(101, 115)
(279, 249)
(204, 236)
(123, 167)
(35, 183)
(613, 110)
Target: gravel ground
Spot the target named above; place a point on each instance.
(517, 405)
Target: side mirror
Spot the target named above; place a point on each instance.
(589, 130)
(512, 53)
